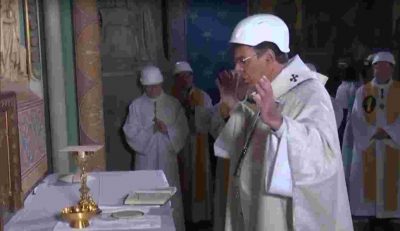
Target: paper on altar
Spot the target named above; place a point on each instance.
(144, 222)
(158, 196)
(113, 209)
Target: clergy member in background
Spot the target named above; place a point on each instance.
(374, 174)
(345, 96)
(291, 177)
(195, 158)
(156, 128)
(345, 93)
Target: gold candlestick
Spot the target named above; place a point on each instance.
(86, 202)
(79, 215)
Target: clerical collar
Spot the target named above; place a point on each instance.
(291, 75)
(156, 98)
(375, 81)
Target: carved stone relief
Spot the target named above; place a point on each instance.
(131, 34)
(13, 65)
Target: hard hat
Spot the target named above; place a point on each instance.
(311, 66)
(370, 57)
(151, 75)
(259, 28)
(181, 67)
(368, 60)
(383, 56)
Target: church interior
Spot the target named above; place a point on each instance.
(69, 70)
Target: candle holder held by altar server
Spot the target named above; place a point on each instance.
(79, 215)
(155, 129)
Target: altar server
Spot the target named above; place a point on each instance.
(156, 128)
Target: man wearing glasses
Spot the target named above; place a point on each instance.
(286, 167)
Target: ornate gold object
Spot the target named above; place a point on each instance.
(77, 218)
(79, 215)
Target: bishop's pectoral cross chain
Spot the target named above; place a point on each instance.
(243, 153)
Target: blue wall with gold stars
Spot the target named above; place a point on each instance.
(210, 25)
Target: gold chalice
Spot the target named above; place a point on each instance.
(79, 215)
(77, 218)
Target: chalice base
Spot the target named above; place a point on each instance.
(79, 224)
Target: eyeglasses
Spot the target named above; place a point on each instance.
(242, 61)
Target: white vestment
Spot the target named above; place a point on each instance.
(291, 179)
(338, 112)
(345, 96)
(374, 173)
(155, 150)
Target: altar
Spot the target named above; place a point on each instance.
(108, 189)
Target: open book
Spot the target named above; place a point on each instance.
(158, 196)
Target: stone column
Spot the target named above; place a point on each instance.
(55, 76)
(177, 11)
(67, 37)
(88, 77)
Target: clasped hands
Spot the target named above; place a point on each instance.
(380, 134)
(160, 126)
(231, 92)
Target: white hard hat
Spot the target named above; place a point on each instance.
(370, 57)
(259, 28)
(311, 66)
(368, 60)
(383, 56)
(151, 75)
(181, 67)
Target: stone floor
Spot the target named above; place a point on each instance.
(201, 226)
(361, 225)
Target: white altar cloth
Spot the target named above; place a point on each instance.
(108, 189)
